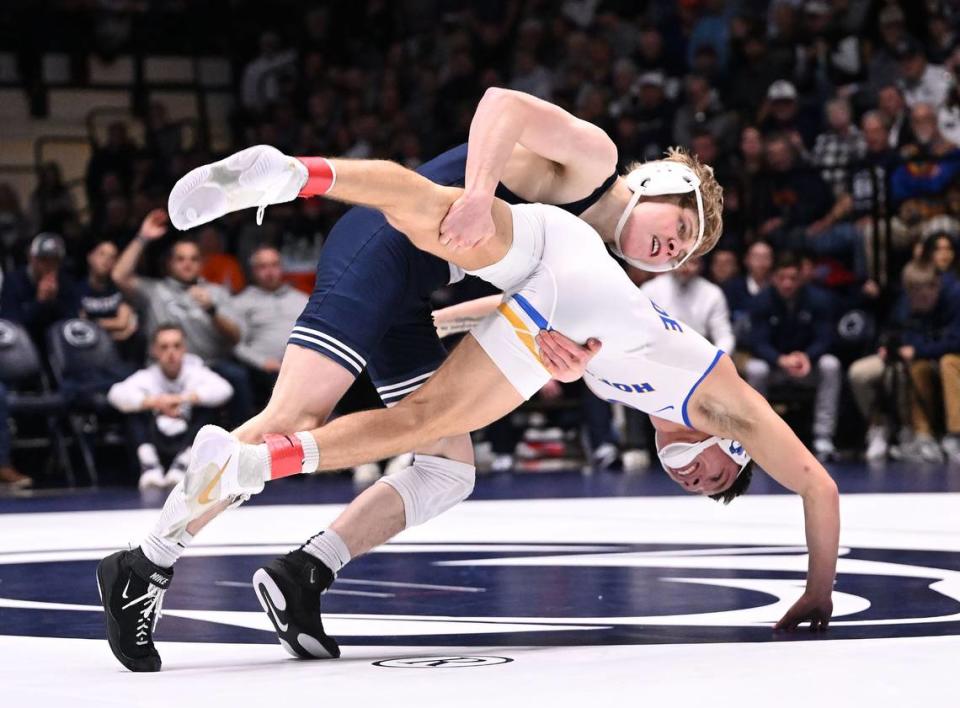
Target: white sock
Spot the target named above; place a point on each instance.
(147, 456)
(165, 552)
(169, 537)
(329, 549)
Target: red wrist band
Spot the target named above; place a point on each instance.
(320, 176)
(286, 455)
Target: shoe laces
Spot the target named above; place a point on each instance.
(151, 612)
(268, 197)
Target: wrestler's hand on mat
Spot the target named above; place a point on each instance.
(809, 608)
(562, 357)
(469, 222)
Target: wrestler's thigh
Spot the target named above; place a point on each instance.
(466, 393)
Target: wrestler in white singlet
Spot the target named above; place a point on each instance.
(559, 275)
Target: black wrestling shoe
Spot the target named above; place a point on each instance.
(131, 590)
(289, 589)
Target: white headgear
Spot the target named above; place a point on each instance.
(656, 179)
(680, 454)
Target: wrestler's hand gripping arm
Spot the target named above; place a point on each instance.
(557, 156)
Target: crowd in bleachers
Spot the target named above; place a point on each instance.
(833, 126)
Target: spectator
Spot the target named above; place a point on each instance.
(742, 290)
(928, 319)
(13, 224)
(218, 266)
(695, 301)
(948, 118)
(922, 82)
(893, 108)
(201, 309)
(703, 110)
(10, 477)
(530, 76)
(167, 403)
(164, 138)
(262, 77)
(748, 171)
(893, 31)
(654, 116)
(942, 37)
(841, 145)
(51, 206)
(116, 156)
(756, 69)
(928, 141)
(919, 186)
(100, 300)
(792, 197)
(791, 335)
(780, 114)
(724, 267)
(267, 310)
(846, 230)
(939, 249)
(41, 292)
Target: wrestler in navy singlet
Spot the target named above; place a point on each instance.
(371, 303)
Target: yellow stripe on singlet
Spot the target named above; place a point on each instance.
(520, 329)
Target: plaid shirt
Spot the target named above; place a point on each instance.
(834, 152)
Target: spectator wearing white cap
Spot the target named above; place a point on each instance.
(781, 113)
(40, 293)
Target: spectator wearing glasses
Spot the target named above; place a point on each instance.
(202, 310)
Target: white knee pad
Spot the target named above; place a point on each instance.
(430, 486)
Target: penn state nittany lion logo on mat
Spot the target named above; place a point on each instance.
(530, 594)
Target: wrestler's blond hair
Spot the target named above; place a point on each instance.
(710, 191)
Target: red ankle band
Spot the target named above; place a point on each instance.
(321, 176)
(286, 455)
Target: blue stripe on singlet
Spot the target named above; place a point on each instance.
(532, 312)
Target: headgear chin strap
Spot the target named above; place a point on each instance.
(680, 454)
(657, 179)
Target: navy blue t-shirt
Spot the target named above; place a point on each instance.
(99, 303)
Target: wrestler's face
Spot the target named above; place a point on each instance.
(659, 231)
(711, 472)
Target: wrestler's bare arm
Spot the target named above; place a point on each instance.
(415, 206)
(725, 405)
(521, 140)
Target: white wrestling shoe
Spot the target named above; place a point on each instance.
(222, 468)
(258, 176)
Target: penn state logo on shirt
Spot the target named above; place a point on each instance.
(79, 333)
(8, 334)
